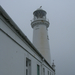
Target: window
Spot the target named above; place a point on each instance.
(28, 66)
(43, 71)
(47, 37)
(26, 71)
(48, 72)
(38, 70)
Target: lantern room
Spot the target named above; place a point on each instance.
(39, 14)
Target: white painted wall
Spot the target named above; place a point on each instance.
(41, 40)
(11, 57)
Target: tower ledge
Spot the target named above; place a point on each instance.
(40, 21)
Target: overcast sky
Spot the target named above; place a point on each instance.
(61, 15)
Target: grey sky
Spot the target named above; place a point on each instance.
(61, 14)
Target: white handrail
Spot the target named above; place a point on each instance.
(40, 19)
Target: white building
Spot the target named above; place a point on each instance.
(18, 56)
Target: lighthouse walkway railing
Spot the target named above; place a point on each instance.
(37, 19)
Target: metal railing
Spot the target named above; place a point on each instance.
(39, 19)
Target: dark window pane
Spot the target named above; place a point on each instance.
(26, 72)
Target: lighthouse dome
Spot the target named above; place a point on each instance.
(39, 13)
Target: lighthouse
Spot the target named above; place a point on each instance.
(40, 26)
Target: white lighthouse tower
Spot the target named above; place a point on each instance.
(40, 33)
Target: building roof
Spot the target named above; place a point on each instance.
(17, 29)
